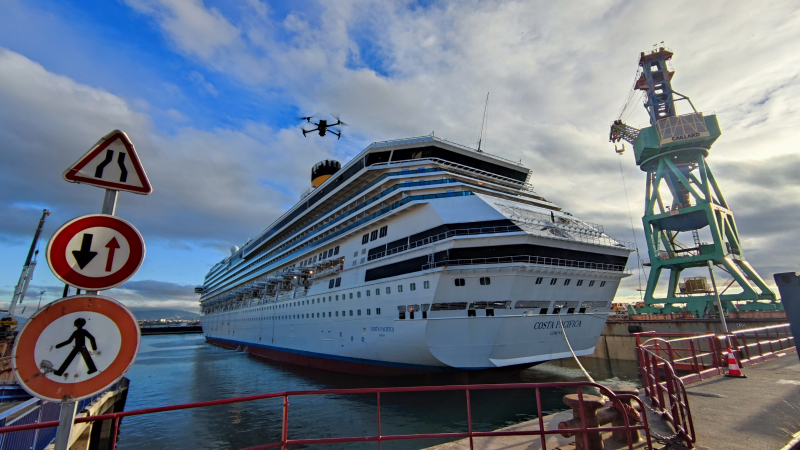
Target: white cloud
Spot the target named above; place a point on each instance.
(207, 87)
(557, 74)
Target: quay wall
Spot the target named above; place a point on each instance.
(617, 341)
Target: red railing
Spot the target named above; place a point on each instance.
(665, 388)
(582, 433)
(754, 345)
(704, 355)
(700, 355)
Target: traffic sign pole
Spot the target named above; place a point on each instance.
(65, 423)
(67, 417)
(110, 202)
(114, 165)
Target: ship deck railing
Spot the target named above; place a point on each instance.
(516, 184)
(423, 139)
(555, 231)
(523, 185)
(575, 235)
(443, 236)
(346, 228)
(408, 184)
(537, 260)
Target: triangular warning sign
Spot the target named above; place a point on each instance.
(112, 164)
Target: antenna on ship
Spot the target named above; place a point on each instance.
(485, 118)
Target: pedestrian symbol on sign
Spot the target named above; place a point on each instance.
(79, 336)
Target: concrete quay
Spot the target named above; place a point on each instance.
(760, 412)
(617, 342)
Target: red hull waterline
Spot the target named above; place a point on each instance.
(334, 365)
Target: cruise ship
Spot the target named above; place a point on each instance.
(417, 255)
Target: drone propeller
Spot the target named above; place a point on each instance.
(336, 116)
(307, 118)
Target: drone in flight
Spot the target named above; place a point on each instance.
(323, 127)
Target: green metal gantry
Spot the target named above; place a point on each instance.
(673, 151)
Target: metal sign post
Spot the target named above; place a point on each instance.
(94, 253)
(65, 422)
(66, 419)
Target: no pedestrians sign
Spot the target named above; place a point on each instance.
(75, 348)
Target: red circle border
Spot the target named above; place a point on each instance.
(33, 380)
(57, 258)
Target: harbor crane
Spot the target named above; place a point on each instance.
(25, 277)
(683, 196)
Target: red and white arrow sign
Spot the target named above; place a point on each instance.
(95, 252)
(112, 164)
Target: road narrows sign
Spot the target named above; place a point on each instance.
(112, 164)
(95, 252)
(75, 348)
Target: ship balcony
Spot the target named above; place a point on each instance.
(533, 260)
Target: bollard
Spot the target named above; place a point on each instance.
(619, 420)
(789, 286)
(591, 403)
(596, 417)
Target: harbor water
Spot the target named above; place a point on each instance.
(175, 369)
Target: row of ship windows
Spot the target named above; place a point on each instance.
(307, 316)
(334, 283)
(375, 235)
(322, 256)
(388, 289)
(485, 281)
(553, 281)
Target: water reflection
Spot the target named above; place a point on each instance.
(183, 369)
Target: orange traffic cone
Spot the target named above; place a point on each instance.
(733, 366)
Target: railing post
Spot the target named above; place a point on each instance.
(769, 339)
(541, 418)
(469, 418)
(758, 342)
(115, 433)
(285, 430)
(379, 420)
(659, 397)
(745, 346)
(695, 364)
(669, 380)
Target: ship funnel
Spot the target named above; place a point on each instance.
(323, 170)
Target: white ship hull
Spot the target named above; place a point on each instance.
(506, 284)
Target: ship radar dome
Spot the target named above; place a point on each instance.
(234, 249)
(323, 170)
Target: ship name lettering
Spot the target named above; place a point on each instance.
(552, 324)
(383, 329)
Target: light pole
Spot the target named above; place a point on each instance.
(40, 299)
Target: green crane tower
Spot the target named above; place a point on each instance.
(682, 196)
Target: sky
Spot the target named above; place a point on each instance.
(210, 91)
